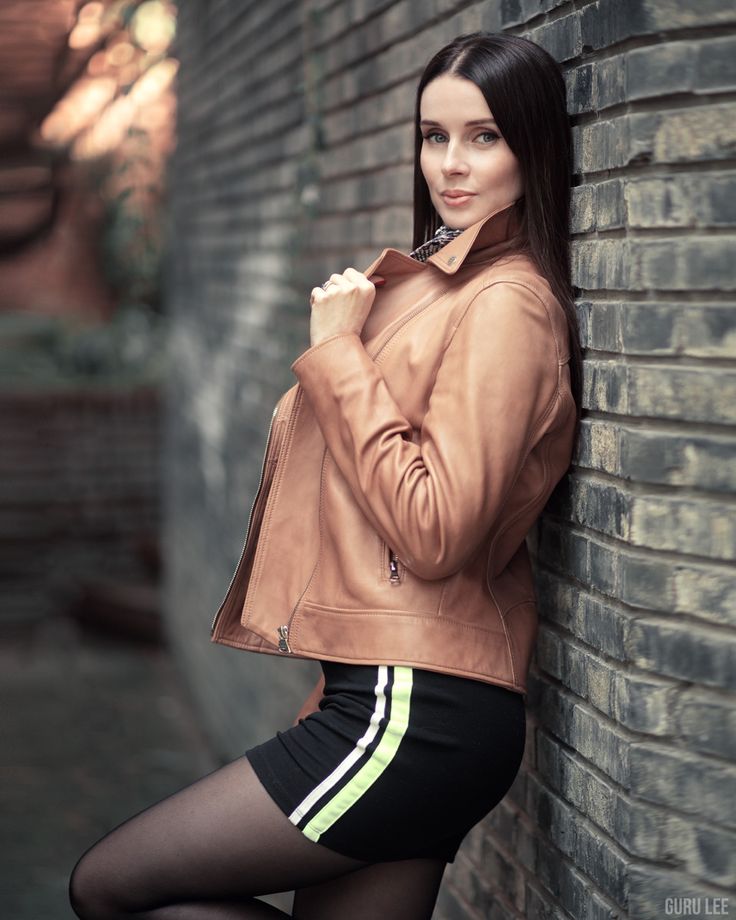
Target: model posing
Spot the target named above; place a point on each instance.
(436, 409)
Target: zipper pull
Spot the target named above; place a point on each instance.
(394, 567)
(283, 632)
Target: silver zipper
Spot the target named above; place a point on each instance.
(283, 632)
(250, 519)
(393, 564)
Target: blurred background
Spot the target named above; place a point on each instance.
(95, 723)
(174, 179)
(87, 126)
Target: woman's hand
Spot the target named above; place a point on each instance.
(344, 305)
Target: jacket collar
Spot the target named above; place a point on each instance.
(480, 242)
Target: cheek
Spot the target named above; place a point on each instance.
(505, 170)
(424, 163)
(428, 163)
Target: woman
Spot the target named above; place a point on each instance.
(436, 409)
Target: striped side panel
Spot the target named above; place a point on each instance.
(374, 725)
(346, 794)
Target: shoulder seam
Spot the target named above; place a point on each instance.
(562, 354)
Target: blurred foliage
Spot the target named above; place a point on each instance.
(47, 352)
(128, 180)
(132, 235)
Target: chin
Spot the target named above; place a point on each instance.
(455, 222)
(452, 221)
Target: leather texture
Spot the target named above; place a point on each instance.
(404, 470)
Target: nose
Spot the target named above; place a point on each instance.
(453, 162)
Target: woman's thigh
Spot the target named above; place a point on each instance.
(221, 837)
(401, 890)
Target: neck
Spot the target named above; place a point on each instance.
(497, 238)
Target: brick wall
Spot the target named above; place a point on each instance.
(294, 160)
(79, 494)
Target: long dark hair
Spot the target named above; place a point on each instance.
(525, 91)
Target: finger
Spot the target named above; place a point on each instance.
(356, 277)
(377, 280)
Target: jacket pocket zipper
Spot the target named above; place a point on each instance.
(393, 567)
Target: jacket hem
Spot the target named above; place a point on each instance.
(317, 654)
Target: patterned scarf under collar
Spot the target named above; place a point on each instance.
(441, 238)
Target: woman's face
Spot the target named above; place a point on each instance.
(463, 151)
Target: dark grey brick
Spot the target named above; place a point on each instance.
(667, 68)
(580, 88)
(560, 38)
(607, 23)
(610, 205)
(707, 722)
(688, 783)
(657, 456)
(715, 67)
(699, 654)
(609, 82)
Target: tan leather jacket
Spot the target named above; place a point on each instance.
(405, 468)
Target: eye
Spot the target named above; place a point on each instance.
(484, 134)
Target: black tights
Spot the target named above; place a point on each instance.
(207, 851)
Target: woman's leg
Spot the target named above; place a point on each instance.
(204, 852)
(403, 890)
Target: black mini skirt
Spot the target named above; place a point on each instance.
(398, 762)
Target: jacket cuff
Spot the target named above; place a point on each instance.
(317, 355)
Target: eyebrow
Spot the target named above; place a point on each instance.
(478, 121)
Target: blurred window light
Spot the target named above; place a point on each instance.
(97, 64)
(153, 26)
(91, 11)
(107, 132)
(88, 27)
(84, 34)
(120, 53)
(127, 78)
(87, 98)
(154, 81)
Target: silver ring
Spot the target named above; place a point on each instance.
(324, 286)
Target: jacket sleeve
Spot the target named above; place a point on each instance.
(434, 502)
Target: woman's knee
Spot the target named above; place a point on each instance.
(89, 895)
(403, 889)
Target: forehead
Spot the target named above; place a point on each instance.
(453, 98)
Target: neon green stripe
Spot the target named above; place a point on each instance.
(379, 760)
